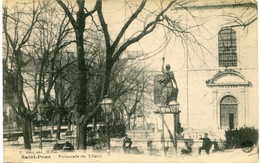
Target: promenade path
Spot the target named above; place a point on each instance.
(17, 153)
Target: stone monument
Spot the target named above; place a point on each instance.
(169, 92)
(169, 105)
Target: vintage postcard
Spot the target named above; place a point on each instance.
(130, 81)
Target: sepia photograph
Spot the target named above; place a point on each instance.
(130, 81)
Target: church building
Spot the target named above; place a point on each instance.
(217, 72)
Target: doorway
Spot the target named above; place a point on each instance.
(231, 121)
(228, 112)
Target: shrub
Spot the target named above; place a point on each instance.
(117, 129)
(240, 138)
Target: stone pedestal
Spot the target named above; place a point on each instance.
(165, 110)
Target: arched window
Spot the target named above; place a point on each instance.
(227, 47)
(228, 112)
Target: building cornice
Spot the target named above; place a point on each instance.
(227, 72)
(216, 6)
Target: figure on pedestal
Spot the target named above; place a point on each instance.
(169, 93)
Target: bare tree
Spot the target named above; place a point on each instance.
(129, 83)
(64, 88)
(113, 52)
(79, 28)
(30, 60)
(17, 35)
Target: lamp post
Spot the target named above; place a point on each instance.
(174, 108)
(40, 108)
(107, 105)
(8, 114)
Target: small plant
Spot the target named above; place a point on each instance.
(242, 137)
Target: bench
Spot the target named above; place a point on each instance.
(68, 134)
(12, 139)
(58, 146)
(46, 135)
(63, 146)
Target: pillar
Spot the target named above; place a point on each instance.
(242, 112)
(216, 115)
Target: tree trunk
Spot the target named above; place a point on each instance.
(30, 129)
(133, 127)
(58, 126)
(129, 122)
(26, 133)
(81, 136)
(94, 124)
(106, 81)
(81, 109)
(69, 125)
(52, 124)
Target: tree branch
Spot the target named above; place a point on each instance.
(147, 29)
(89, 13)
(127, 24)
(68, 13)
(103, 24)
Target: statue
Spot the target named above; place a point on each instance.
(169, 93)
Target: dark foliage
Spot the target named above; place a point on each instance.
(116, 129)
(240, 138)
(179, 128)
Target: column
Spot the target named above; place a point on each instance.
(175, 131)
(215, 109)
(247, 107)
(162, 136)
(242, 113)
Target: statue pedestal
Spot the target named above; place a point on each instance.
(172, 108)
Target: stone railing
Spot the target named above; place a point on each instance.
(140, 133)
(148, 140)
(199, 133)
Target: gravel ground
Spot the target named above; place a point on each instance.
(16, 153)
